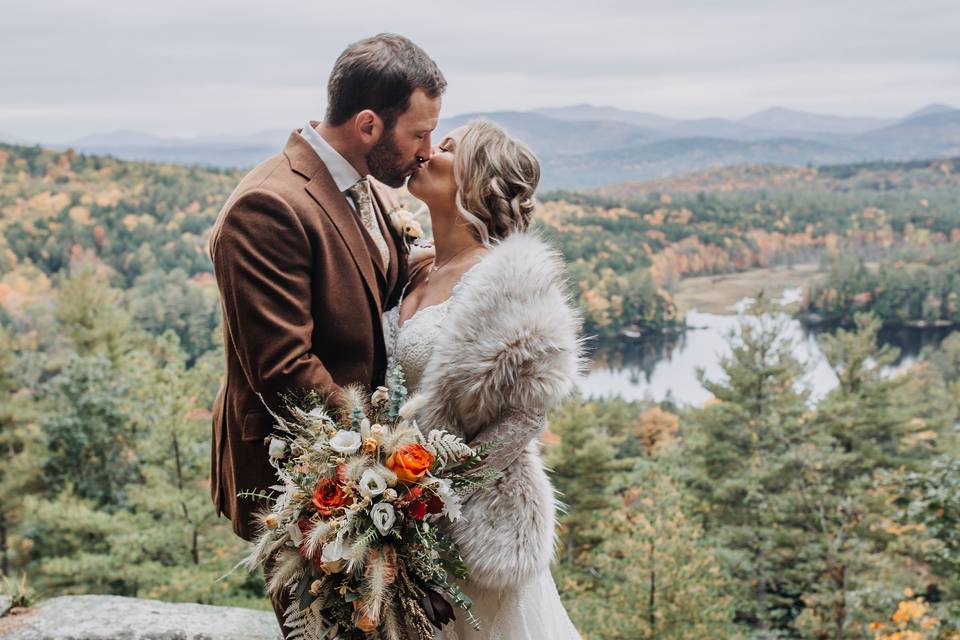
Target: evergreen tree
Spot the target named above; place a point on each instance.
(656, 577)
(20, 451)
(185, 546)
(582, 464)
(867, 412)
(89, 432)
(738, 449)
(91, 317)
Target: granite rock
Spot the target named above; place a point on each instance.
(119, 618)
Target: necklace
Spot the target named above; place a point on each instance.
(437, 267)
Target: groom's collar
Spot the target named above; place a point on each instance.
(343, 173)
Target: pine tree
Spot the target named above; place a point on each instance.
(738, 447)
(91, 317)
(867, 413)
(656, 576)
(176, 527)
(146, 530)
(20, 451)
(582, 464)
(90, 436)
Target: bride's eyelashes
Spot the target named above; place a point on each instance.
(447, 146)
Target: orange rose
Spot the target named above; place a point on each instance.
(410, 462)
(329, 495)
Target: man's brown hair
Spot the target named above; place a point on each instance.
(380, 74)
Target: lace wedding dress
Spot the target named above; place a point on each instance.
(532, 611)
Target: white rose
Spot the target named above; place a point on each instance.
(278, 448)
(372, 483)
(334, 556)
(344, 441)
(383, 517)
(336, 549)
(390, 495)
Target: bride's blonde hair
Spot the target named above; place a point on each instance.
(496, 178)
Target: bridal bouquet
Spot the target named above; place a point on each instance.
(350, 532)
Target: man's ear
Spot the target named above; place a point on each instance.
(369, 127)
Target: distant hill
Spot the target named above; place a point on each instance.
(613, 114)
(586, 146)
(928, 110)
(229, 152)
(930, 132)
(781, 119)
(680, 155)
(769, 178)
(550, 137)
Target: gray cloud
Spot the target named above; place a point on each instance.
(209, 66)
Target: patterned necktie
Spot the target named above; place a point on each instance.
(360, 192)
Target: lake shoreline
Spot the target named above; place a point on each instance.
(718, 293)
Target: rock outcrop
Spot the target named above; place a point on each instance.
(119, 618)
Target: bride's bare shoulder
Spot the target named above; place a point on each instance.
(419, 262)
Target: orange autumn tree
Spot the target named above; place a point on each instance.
(910, 622)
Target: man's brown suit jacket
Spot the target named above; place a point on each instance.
(302, 289)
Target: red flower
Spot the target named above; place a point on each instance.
(411, 495)
(434, 504)
(417, 510)
(329, 496)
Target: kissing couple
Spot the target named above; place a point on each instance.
(321, 287)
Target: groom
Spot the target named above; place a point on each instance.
(306, 259)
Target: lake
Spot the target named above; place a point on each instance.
(664, 367)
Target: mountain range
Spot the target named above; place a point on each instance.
(585, 146)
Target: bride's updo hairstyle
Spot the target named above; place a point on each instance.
(496, 178)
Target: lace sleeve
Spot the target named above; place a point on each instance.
(511, 433)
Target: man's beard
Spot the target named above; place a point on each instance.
(386, 163)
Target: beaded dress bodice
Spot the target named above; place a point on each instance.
(410, 345)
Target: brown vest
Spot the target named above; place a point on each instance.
(302, 289)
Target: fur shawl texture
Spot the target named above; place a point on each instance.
(508, 352)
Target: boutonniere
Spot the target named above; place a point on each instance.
(406, 226)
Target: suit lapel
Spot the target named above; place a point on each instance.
(322, 188)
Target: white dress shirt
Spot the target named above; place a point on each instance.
(343, 173)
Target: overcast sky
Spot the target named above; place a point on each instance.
(210, 67)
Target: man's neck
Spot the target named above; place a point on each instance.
(339, 139)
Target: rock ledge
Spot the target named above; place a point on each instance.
(119, 618)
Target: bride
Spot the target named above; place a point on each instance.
(487, 339)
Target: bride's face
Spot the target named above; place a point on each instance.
(433, 182)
